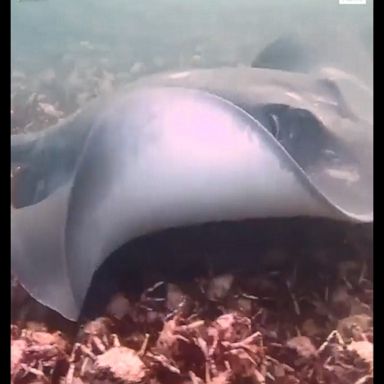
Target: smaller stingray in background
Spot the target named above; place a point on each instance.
(184, 148)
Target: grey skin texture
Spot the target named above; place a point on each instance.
(185, 148)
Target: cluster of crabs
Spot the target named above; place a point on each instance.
(186, 350)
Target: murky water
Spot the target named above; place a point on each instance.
(152, 34)
(64, 53)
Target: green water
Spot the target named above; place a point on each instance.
(179, 33)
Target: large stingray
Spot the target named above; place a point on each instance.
(185, 148)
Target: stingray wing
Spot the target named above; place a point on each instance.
(162, 158)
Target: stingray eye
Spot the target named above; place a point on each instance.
(26, 185)
(299, 128)
(299, 132)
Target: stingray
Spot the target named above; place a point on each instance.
(184, 148)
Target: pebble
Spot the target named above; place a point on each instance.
(303, 346)
(219, 287)
(119, 306)
(175, 296)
